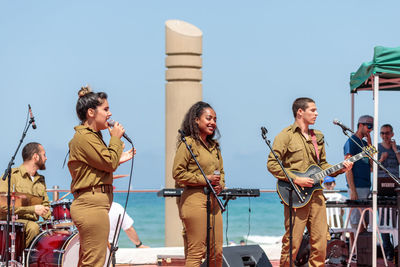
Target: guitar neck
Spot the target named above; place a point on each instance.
(338, 166)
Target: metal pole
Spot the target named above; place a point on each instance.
(375, 169)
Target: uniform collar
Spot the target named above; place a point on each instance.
(83, 127)
(24, 172)
(86, 128)
(295, 126)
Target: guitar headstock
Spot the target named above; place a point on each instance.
(370, 149)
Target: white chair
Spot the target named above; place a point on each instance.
(388, 225)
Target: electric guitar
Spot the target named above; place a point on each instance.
(317, 174)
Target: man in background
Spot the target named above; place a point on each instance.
(389, 156)
(127, 225)
(359, 177)
(26, 180)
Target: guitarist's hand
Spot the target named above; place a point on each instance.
(347, 166)
(304, 181)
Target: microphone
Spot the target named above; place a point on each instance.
(264, 132)
(111, 123)
(344, 127)
(31, 116)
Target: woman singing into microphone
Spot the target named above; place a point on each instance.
(91, 164)
(199, 126)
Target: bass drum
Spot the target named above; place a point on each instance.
(55, 247)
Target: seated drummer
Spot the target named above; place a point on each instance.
(28, 181)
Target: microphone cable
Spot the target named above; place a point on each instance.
(227, 225)
(249, 222)
(119, 224)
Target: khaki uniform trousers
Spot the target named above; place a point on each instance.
(313, 215)
(194, 216)
(89, 212)
(31, 230)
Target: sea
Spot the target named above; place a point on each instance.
(254, 220)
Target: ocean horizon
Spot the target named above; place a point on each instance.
(256, 220)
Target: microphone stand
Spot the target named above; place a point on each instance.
(7, 175)
(208, 190)
(292, 188)
(396, 179)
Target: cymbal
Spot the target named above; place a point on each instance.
(21, 199)
(117, 176)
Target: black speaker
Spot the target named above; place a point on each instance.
(244, 256)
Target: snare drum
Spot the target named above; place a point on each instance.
(56, 247)
(19, 241)
(60, 211)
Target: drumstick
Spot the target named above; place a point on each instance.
(117, 176)
(61, 198)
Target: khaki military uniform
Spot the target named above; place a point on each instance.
(23, 183)
(297, 154)
(193, 209)
(91, 164)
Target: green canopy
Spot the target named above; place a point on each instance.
(386, 64)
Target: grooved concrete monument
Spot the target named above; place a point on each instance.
(183, 46)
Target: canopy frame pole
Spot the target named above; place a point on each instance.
(352, 112)
(375, 168)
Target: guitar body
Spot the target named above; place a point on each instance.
(317, 174)
(283, 187)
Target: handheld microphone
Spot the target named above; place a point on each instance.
(264, 132)
(31, 116)
(111, 123)
(344, 127)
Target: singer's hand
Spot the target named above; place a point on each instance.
(127, 155)
(217, 189)
(214, 178)
(118, 130)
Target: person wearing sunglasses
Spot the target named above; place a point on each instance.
(389, 156)
(359, 177)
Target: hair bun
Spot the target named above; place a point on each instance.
(84, 90)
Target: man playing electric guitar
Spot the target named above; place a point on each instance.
(298, 147)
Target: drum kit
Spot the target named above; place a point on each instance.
(57, 243)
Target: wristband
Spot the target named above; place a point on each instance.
(138, 245)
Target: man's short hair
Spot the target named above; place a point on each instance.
(29, 150)
(301, 103)
(389, 126)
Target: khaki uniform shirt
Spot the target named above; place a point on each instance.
(185, 170)
(91, 162)
(24, 184)
(296, 152)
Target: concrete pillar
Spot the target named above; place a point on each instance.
(183, 46)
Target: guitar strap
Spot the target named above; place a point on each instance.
(314, 141)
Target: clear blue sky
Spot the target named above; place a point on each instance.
(258, 56)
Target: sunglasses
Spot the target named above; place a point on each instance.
(369, 125)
